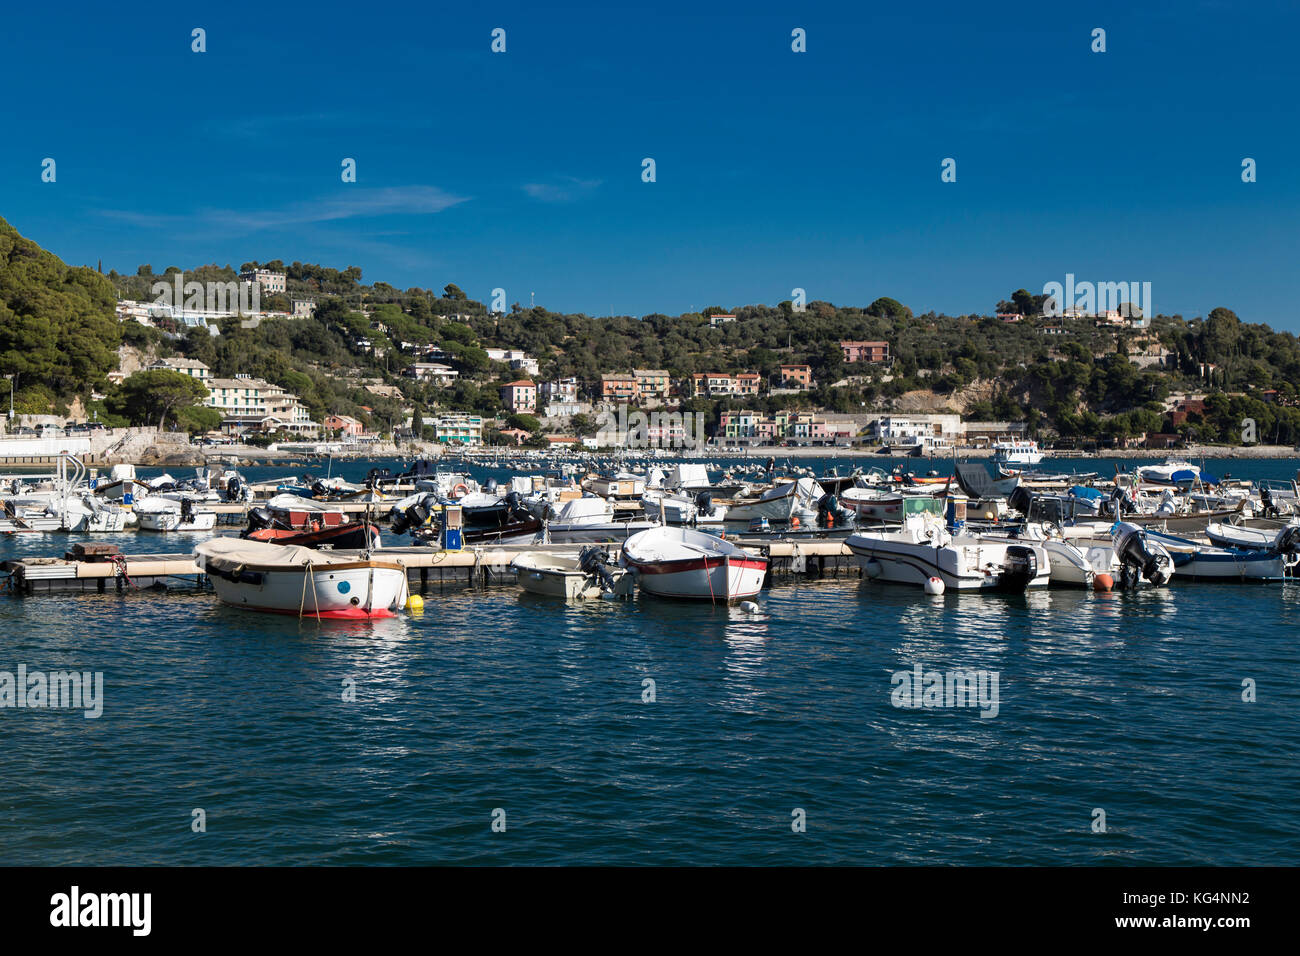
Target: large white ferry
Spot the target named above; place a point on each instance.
(1017, 451)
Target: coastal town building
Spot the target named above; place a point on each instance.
(267, 280)
(618, 388)
(458, 430)
(246, 402)
(560, 397)
(435, 372)
(719, 385)
(344, 425)
(191, 367)
(864, 351)
(652, 384)
(889, 428)
(721, 319)
(796, 376)
(805, 428)
(520, 397)
(517, 359)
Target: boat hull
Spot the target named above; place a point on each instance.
(960, 567)
(720, 578)
(173, 521)
(359, 591)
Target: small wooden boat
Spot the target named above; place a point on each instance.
(282, 579)
(586, 575)
(352, 536)
(681, 563)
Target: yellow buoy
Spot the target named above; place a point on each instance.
(415, 603)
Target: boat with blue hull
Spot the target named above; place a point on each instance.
(1192, 559)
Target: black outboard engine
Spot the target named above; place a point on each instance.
(1022, 499)
(704, 504)
(187, 510)
(234, 489)
(1288, 542)
(320, 489)
(1266, 499)
(1138, 560)
(828, 508)
(414, 516)
(1020, 570)
(594, 560)
(515, 510)
(258, 518)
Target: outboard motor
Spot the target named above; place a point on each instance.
(515, 510)
(1288, 542)
(234, 489)
(595, 561)
(259, 518)
(187, 510)
(828, 507)
(1266, 500)
(490, 486)
(415, 516)
(1022, 500)
(1137, 559)
(704, 504)
(320, 489)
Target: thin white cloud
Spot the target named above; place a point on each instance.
(350, 202)
(563, 189)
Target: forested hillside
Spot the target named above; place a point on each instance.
(1068, 377)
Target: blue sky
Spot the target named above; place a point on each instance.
(775, 170)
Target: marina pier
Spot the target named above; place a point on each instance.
(425, 567)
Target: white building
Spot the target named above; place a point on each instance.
(443, 375)
(191, 367)
(246, 402)
(268, 281)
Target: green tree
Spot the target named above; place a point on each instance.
(153, 395)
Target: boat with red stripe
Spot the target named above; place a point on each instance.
(682, 563)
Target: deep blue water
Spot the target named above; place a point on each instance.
(1126, 702)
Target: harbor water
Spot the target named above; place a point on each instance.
(657, 732)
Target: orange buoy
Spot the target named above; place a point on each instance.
(1102, 581)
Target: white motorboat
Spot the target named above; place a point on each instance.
(873, 504)
(682, 508)
(86, 513)
(1070, 565)
(681, 563)
(1225, 535)
(121, 485)
(923, 549)
(158, 513)
(572, 577)
(787, 500)
(287, 579)
(589, 520)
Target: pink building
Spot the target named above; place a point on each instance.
(520, 397)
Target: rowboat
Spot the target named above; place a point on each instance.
(288, 579)
(572, 577)
(681, 563)
(354, 535)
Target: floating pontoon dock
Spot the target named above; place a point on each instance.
(425, 567)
